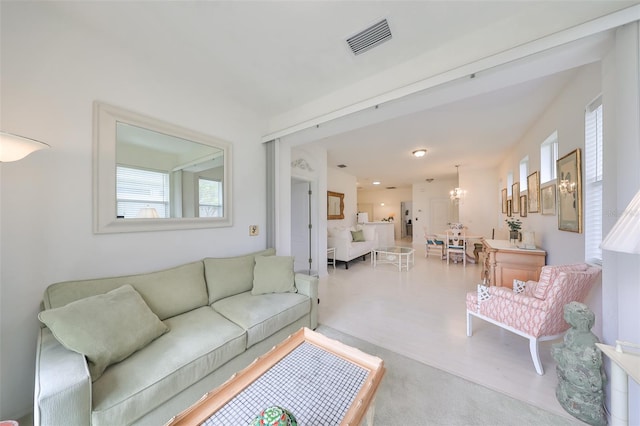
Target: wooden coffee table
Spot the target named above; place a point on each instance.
(318, 379)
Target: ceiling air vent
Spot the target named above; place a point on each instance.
(371, 37)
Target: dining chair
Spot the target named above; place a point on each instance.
(456, 246)
(433, 244)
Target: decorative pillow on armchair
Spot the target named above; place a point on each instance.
(106, 328)
(519, 286)
(273, 274)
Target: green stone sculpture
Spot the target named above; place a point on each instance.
(581, 377)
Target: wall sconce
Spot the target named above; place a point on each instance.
(566, 187)
(14, 147)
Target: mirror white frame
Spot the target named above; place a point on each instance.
(105, 119)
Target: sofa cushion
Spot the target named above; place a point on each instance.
(263, 315)
(273, 274)
(198, 343)
(106, 328)
(169, 292)
(231, 275)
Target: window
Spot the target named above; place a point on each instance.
(137, 189)
(548, 158)
(509, 182)
(524, 172)
(210, 196)
(593, 181)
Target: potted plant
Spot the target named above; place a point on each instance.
(514, 229)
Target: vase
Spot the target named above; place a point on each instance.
(513, 238)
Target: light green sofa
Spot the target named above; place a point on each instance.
(216, 326)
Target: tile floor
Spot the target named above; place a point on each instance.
(421, 314)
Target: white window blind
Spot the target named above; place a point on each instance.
(138, 188)
(548, 158)
(524, 172)
(593, 181)
(210, 198)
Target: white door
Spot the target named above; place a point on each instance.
(300, 239)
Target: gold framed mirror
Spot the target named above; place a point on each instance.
(335, 205)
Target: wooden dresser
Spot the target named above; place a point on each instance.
(504, 263)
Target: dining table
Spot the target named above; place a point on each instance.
(467, 236)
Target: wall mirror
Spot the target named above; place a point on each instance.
(153, 176)
(335, 205)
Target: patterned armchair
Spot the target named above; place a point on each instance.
(537, 312)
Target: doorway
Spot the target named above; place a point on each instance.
(406, 212)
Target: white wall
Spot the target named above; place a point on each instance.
(480, 208)
(621, 134)
(422, 194)
(52, 71)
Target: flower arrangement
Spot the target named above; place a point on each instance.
(388, 219)
(514, 224)
(456, 226)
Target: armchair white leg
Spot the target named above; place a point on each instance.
(535, 355)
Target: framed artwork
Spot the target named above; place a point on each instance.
(548, 199)
(504, 200)
(533, 193)
(569, 178)
(523, 206)
(509, 213)
(515, 196)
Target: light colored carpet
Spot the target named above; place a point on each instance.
(413, 393)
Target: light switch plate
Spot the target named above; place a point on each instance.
(253, 230)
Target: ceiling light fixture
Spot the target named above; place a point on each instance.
(457, 192)
(419, 153)
(375, 182)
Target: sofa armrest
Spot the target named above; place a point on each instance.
(308, 286)
(62, 393)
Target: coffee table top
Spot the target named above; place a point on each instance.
(319, 380)
(395, 250)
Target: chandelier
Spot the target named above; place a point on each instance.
(566, 186)
(457, 193)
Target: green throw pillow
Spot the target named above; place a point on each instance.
(273, 274)
(106, 328)
(357, 236)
